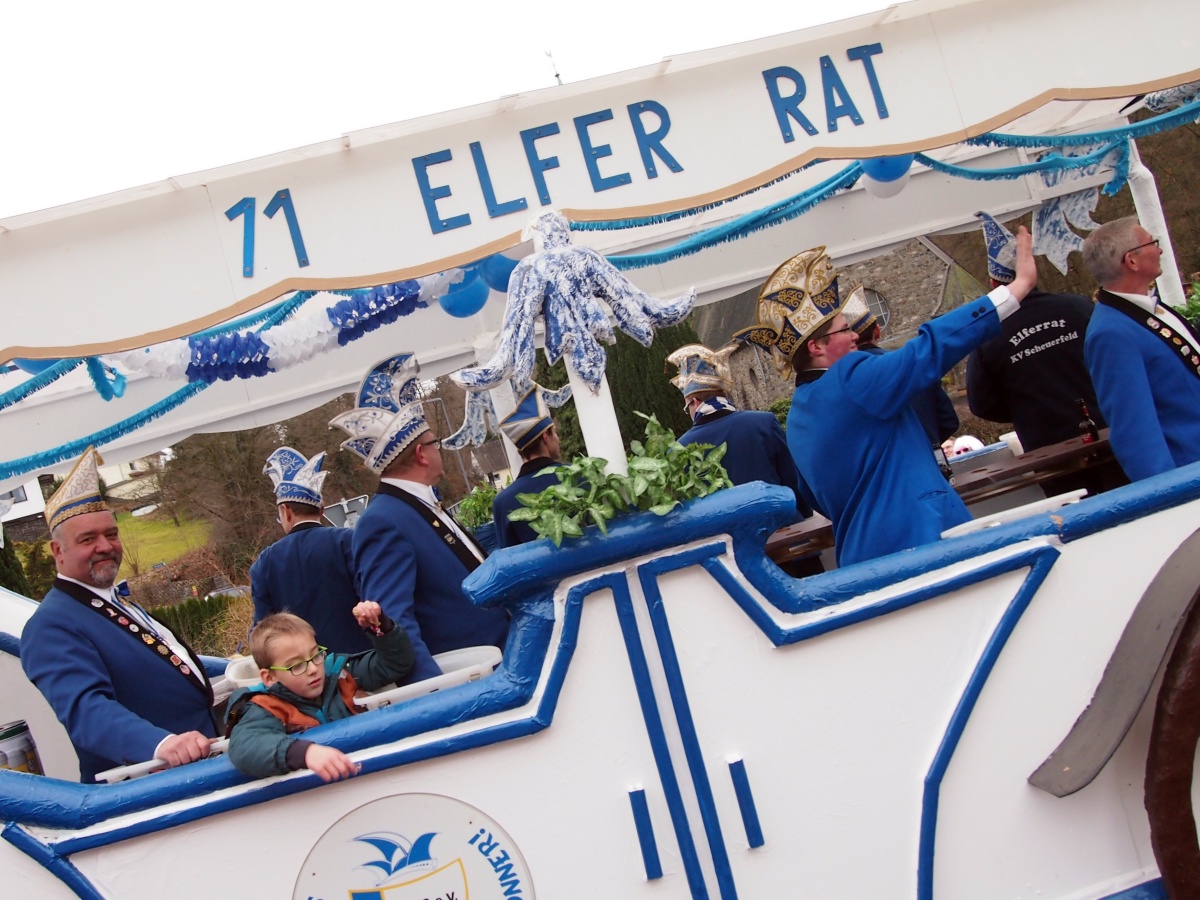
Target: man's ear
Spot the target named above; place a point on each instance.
(267, 676)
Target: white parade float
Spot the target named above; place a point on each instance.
(673, 716)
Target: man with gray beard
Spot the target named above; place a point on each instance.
(125, 688)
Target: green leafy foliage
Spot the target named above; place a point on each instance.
(1191, 309)
(662, 474)
(12, 575)
(780, 409)
(476, 508)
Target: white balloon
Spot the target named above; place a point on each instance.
(884, 189)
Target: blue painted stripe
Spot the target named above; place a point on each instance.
(645, 833)
(60, 868)
(648, 576)
(658, 739)
(745, 799)
(1151, 890)
(1040, 560)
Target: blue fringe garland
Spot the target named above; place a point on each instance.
(745, 225)
(620, 224)
(1185, 115)
(1050, 162)
(36, 382)
(108, 381)
(99, 438)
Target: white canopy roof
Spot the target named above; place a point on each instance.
(391, 203)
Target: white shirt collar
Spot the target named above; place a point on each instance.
(422, 492)
(1141, 301)
(102, 593)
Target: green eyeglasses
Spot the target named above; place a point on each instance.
(301, 667)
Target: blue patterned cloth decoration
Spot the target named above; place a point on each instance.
(296, 479)
(1001, 249)
(1052, 234)
(564, 285)
(1180, 95)
(388, 414)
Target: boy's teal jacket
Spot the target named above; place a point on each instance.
(259, 743)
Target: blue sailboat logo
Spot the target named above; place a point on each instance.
(399, 858)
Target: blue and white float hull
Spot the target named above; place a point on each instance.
(675, 717)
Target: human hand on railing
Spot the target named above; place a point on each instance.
(330, 763)
(180, 749)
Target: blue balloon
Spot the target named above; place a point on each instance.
(887, 168)
(34, 366)
(465, 298)
(496, 270)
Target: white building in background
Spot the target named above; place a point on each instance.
(26, 500)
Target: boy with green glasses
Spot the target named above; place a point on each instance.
(304, 685)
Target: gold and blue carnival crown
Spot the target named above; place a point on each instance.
(388, 415)
(528, 421)
(296, 479)
(857, 311)
(1001, 249)
(701, 369)
(80, 491)
(798, 298)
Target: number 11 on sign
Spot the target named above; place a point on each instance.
(245, 208)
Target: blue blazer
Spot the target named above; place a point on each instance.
(310, 572)
(755, 449)
(117, 697)
(404, 566)
(535, 476)
(933, 406)
(862, 452)
(1147, 394)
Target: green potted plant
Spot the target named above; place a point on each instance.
(662, 474)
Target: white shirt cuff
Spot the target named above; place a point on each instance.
(1006, 304)
(159, 747)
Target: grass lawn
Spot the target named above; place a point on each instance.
(153, 539)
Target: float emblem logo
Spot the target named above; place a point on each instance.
(414, 847)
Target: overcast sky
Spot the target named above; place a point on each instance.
(104, 96)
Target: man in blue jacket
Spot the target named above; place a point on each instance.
(410, 556)
(1143, 357)
(124, 686)
(310, 570)
(534, 435)
(860, 448)
(756, 449)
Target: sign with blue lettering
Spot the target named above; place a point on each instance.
(396, 202)
(415, 847)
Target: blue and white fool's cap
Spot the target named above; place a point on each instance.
(296, 479)
(388, 415)
(79, 492)
(701, 369)
(857, 311)
(528, 421)
(798, 298)
(1001, 249)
